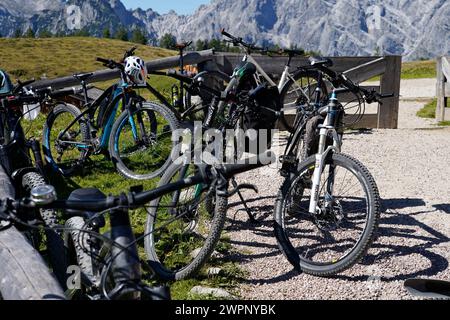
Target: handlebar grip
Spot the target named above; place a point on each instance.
(106, 61)
(226, 34)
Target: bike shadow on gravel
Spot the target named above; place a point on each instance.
(263, 228)
(412, 237)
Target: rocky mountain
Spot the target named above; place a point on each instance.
(414, 28)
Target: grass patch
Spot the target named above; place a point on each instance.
(415, 70)
(229, 278)
(59, 57)
(429, 110)
(419, 69)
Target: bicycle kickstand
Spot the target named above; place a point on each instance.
(251, 216)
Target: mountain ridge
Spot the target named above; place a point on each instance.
(413, 28)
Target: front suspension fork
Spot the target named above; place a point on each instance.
(321, 157)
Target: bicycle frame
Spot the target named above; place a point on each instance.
(285, 76)
(119, 100)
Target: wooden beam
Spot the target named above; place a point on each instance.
(368, 121)
(367, 70)
(105, 75)
(390, 84)
(440, 90)
(274, 64)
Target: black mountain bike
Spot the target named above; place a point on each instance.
(246, 108)
(188, 104)
(120, 124)
(24, 274)
(110, 265)
(328, 207)
(296, 87)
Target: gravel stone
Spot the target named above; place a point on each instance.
(215, 292)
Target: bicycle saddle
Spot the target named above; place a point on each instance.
(320, 61)
(83, 76)
(88, 194)
(183, 45)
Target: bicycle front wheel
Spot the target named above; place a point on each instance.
(23, 274)
(342, 229)
(182, 233)
(141, 143)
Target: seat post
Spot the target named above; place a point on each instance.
(86, 98)
(181, 97)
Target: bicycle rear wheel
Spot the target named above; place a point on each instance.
(182, 234)
(64, 147)
(141, 143)
(342, 229)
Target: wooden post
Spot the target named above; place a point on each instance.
(390, 84)
(442, 87)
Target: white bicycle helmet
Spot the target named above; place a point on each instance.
(136, 70)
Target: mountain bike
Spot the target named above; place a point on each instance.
(110, 264)
(295, 88)
(185, 103)
(134, 133)
(328, 208)
(186, 236)
(24, 274)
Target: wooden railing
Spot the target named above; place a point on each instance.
(443, 87)
(358, 69)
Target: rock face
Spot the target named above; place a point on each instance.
(414, 28)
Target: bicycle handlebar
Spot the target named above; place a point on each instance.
(21, 85)
(129, 53)
(340, 80)
(239, 41)
(206, 174)
(37, 96)
(111, 64)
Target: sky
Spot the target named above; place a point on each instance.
(164, 6)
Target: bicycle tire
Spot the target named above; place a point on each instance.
(23, 274)
(52, 116)
(172, 121)
(78, 240)
(55, 243)
(217, 225)
(362, 246)
(301, 73)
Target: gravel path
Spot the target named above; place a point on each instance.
(412, 170)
